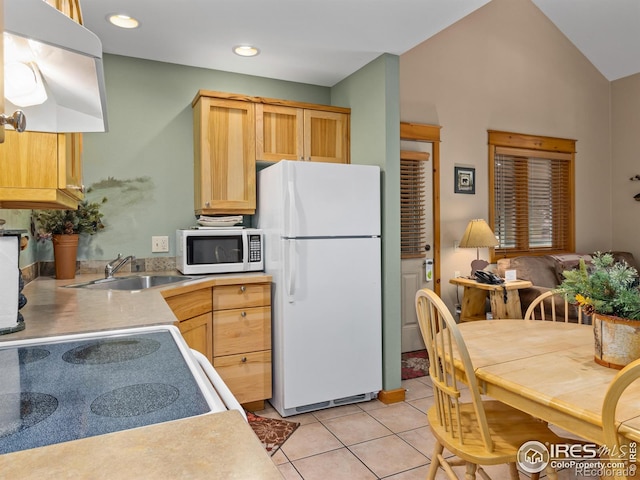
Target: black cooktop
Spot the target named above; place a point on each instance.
(56, 392)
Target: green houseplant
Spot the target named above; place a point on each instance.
(64, 228)
(608, 291)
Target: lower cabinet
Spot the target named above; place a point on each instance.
(193, 311)
(197, 332)
(231, 325)
(242, 339)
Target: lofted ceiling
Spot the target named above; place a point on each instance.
(320, 42)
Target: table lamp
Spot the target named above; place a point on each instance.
(478, 234)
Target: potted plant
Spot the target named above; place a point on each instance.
(64, 228)
(608, 291)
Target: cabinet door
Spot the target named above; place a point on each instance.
(198, 333)
(225, 156)
(70, 164)
(29, 160)
(326, 136)
(33, 171)
(279, 133)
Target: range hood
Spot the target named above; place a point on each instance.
(69, 60)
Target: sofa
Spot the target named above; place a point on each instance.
(545, 272)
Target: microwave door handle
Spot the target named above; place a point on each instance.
(245, 250)
(291, 268)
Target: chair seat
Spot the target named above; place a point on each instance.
(510, 428)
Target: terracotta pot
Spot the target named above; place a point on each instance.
(617, 340)
(65, 254)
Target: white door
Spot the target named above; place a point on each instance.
(413, 275)
(332, 329)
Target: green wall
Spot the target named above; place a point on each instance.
(150, 146)
(373, 95)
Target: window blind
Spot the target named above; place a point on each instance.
(412, 204)
(532, 209)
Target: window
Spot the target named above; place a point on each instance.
(531, 199)
(412, 203)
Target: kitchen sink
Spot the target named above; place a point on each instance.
(134, 282)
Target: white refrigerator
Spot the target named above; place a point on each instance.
(322, 248)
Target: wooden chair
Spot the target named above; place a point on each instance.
(618, 385)
(544, 307)
(479, 432)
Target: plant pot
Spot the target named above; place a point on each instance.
(617, 340)
(65, 254)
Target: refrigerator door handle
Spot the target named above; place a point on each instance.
(291, 269)
(290, 231)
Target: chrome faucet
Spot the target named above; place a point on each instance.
(114, 265)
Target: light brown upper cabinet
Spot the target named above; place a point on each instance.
(232, 131)
(41, 170)
(319, 134)
(224, 156)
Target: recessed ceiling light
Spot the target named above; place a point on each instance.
(123, 21)
(246, 51)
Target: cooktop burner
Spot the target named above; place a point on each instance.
(111, 351)
(34, 407)
(135, 400)
(65, 390)
(28, 355)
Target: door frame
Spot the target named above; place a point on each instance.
(418, 132)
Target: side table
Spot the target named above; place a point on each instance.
(504, 303)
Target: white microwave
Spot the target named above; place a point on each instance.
(223, 250)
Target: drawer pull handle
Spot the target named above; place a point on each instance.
(244, 359)
(243, 314)
(243, 288)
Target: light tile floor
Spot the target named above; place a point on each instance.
(369, 440)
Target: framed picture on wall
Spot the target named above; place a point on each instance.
(465, 180)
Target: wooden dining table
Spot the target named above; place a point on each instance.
(547, 369)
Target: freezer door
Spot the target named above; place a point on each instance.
(327, 325)
(326, 199)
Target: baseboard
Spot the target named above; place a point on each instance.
(392, 396)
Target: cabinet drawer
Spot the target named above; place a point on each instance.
(192, 304)
(241, 330)
(247, 376)
(241, 296)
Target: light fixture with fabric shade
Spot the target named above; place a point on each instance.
(478, 235)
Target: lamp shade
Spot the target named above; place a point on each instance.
(477, 235)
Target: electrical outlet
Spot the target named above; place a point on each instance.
(159, 244)
(456, 273)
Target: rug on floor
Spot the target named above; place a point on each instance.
(415, 364)
(271, 432)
